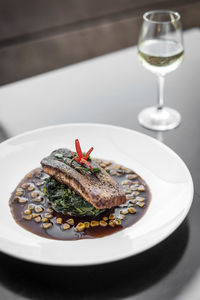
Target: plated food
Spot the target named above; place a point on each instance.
(74, 196)
(169, 187)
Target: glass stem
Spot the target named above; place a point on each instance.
(161, 80)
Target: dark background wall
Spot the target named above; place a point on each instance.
(41, 35)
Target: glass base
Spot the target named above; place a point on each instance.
(159, 119)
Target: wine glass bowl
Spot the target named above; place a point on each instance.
(160, 49)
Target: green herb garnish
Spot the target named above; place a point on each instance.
(59, 155)
(79, 168)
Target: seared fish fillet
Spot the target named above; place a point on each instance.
(100, 189)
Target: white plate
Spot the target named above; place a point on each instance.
(166, 174)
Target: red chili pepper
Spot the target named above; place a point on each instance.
(78, 149)
(82, 159)
(88, 153)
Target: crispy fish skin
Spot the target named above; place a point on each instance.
(100, 189)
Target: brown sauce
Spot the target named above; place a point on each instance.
(32, 210)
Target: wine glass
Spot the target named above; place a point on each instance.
(160, 49)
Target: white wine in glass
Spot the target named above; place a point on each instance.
(160, 49)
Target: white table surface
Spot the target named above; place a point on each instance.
(109, 89)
